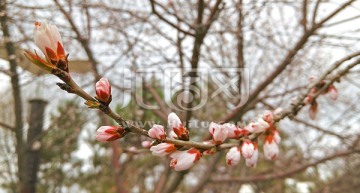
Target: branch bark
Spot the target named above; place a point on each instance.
(288, 173)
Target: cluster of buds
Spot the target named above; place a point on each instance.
(48, 40)
(248, 147)
(331, 90)
(180, 160)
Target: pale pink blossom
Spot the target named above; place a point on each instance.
(183, 160)
(271, 148)
(250, 127)
(146, 144)
(218, 133)
(268, 116)
(257, 127)
(233, 156)
(261, 125)
(109, 133)
(103, 90)
(333, 92)
(233, 131)
(48, 39)
(251, 162)
(175, 125)
(173, 121)
(157, 132)
(162, 149)
(247, 149)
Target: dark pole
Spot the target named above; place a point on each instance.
(37, 108)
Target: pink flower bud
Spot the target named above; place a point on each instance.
(257, 127)
(146, 144)
(233, 132)
(233, 156)
(103, 90)
(157, 132)
(333, 92)
(251, 162)
(109, 133)
(268, 116)
(174, 121)
(247, 149)
(261, 125)
(313, 110)
(218, 133)
(271, 148)
(48, 39)
(175, 125)
(162, 149)
(183, 160)
(250, 127)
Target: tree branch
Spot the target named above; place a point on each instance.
(154, 11)
(282, 66)
(284, 174)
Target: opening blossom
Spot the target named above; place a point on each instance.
(257, 127)
(175, 125)
(218, 133)
(157, 132)
(110, 133)
(103, 90)
(162, 149)
(233, 156)
(183, 160)
(48, 39)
